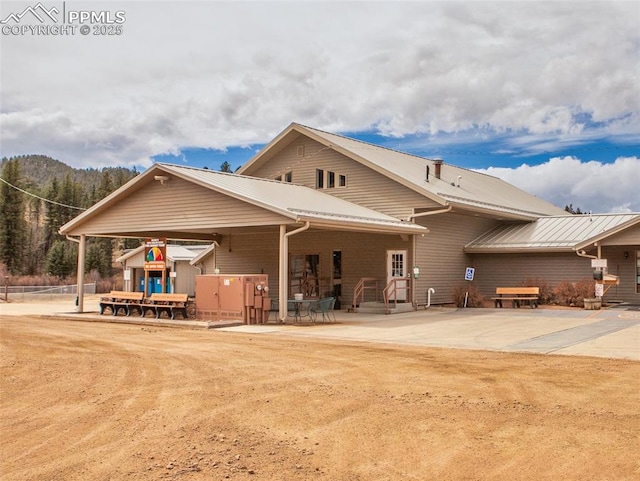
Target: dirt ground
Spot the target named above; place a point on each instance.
(97, 401)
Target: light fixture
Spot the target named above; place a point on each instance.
(161, 178)
(416, 272)
(626, 254)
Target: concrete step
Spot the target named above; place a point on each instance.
(380, 308)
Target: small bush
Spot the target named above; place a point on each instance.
(584, 288)
(573, 293)
(474, 299)
(546, 290)
(565, 293)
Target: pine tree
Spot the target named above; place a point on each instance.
(12, 222)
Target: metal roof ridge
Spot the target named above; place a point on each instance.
(388, 219)
(502, 208)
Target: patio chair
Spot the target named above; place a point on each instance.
(324, 306)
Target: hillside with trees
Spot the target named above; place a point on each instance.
(39, 194)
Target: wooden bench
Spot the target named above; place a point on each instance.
(167, 303)
(121, 300)
(517, 295)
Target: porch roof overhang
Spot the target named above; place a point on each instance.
(283, 203)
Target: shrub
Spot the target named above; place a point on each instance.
(565, 293)
(573, 293)
(584, 288)
(474, 298)
(546, 290)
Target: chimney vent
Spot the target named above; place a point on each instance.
(437, 163)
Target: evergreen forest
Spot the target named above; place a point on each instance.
(38, 195)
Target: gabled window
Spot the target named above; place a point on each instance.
(326, 179)
(288, 177)
(319, 179)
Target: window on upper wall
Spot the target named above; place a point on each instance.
(326, 179)
(288, 177)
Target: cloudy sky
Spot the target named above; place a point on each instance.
(543, 94)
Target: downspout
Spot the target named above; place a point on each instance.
(283, 271)
(429, 212)
(414, 291)
(80, 276)
(582, 253)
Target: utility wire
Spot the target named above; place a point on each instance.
(41, 198)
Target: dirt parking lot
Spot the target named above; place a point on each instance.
(98, 401)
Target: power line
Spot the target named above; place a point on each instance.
(41, 198)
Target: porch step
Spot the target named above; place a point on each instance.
(379, 308)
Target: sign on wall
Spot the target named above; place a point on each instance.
(469, 273)
(155, 254)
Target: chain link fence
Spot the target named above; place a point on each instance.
(22, 293)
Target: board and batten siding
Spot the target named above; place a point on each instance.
(176, 205)
(365, 186)
(440, 253)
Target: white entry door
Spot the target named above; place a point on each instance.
(397, 268)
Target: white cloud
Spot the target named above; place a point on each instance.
(215, 74)
(589, 186)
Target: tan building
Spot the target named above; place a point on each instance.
(181, 268)
(324, 214)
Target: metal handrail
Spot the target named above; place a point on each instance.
(361, 287)
(392, 289)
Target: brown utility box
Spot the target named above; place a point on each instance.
(241, 297)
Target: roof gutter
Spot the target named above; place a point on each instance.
(583, 253)
(429, 212)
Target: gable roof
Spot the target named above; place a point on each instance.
(456, 186)
(293, 203)
(175, 253)
(557, 233)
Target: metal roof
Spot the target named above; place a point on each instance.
(174, 252)
(456, 186)
(291, 200)
(295, 202)
(567, 232)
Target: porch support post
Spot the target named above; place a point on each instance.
(284, 267)
(81, 256)
(414, 281)
(282, 273)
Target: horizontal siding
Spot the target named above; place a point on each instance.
(177, 206)
(440, 255)
(628, 237)
(363, 255)
(364, 186)
(494, 270)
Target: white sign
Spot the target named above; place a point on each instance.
(127, 274)
(173, 274)
(469, 273)
(599, 290)
(601, 263)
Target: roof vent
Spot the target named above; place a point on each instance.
(437, 163)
